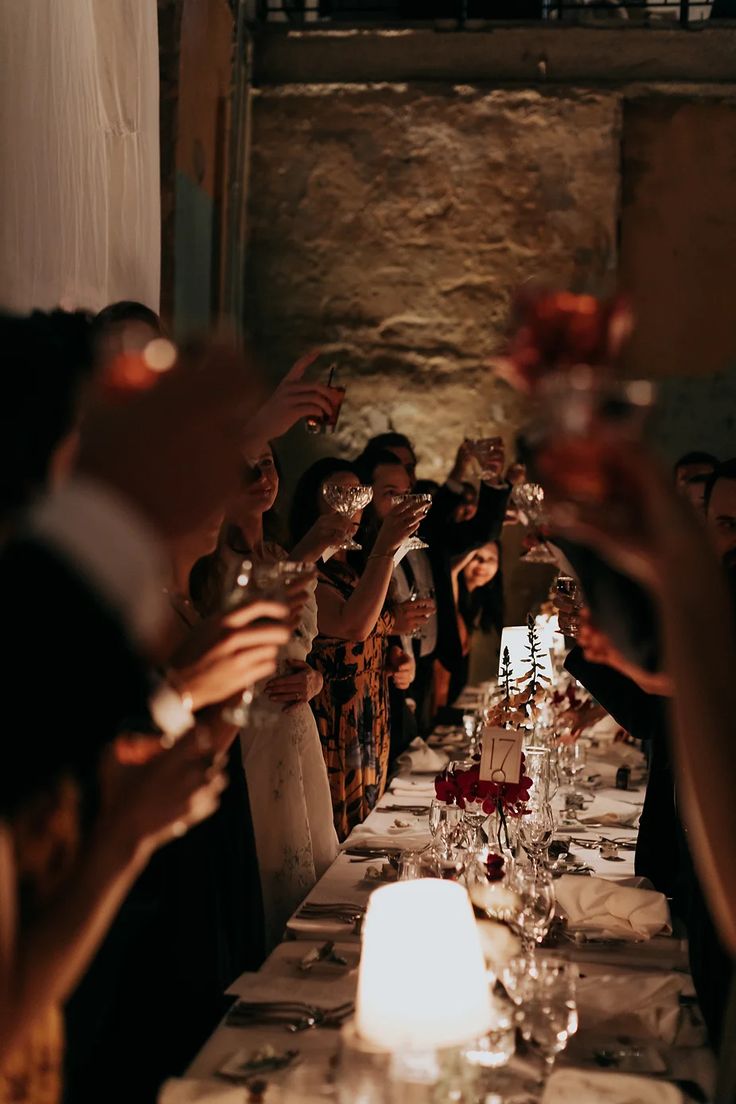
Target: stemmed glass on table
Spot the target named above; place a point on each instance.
(543, 991)
(536, 829)
(347, 501)
(572, 760)
(536, 904)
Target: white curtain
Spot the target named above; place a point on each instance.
(79, 153)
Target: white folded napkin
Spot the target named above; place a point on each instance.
(566, 1086)
(181, 1090)
(623, 1002)
(413, 787)
(611, 911)
(416, 835)
(419, 757)
(624, 818)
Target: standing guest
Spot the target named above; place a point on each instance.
(351, 651)
(280, 745)
(412, 585)
(87, 556)
(461, 517)
(692, 471)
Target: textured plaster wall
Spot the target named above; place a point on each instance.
(389, 224)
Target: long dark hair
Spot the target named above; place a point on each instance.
(366, 465)
(483, 607)
(305, 503)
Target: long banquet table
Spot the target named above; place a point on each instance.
(607, 970)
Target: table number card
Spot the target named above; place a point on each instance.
(500, 759)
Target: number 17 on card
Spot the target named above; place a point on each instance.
(500, 759)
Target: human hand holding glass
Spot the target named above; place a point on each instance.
(347, 500)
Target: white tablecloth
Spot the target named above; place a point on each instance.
(635, 965)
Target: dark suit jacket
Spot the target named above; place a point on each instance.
(71, 673)
(645, 717)
(662, 852)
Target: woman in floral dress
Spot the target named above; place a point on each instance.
(351, 651)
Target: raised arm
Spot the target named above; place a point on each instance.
(354, 618)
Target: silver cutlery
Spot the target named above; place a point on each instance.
(294, 1016)
(325, 953)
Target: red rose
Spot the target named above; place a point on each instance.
(446, 788)
(495, 867)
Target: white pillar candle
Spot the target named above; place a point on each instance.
(414, 994)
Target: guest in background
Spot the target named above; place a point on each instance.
(397, 443)
(462, 518)
(692, 471)
(351, 651)
(477, 605)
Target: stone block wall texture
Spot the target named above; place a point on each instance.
(389, 224)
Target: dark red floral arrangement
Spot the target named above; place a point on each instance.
(495, 865)
(558, 330)
(458, 787)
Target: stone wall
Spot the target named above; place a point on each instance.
(388, 225)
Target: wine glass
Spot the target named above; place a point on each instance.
(572, 759)
(544, 1024)
(536, 830)
(417, 864)
(535, 890)
(347, 501)
(420, 501)
(488, 451)
(422, 594)
(443, 818)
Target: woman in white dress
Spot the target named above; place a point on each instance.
(282, 756)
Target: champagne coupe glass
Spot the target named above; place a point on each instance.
(488, 451)
(535, 832)
(528, 498)
(347, 501)
(419, 501)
